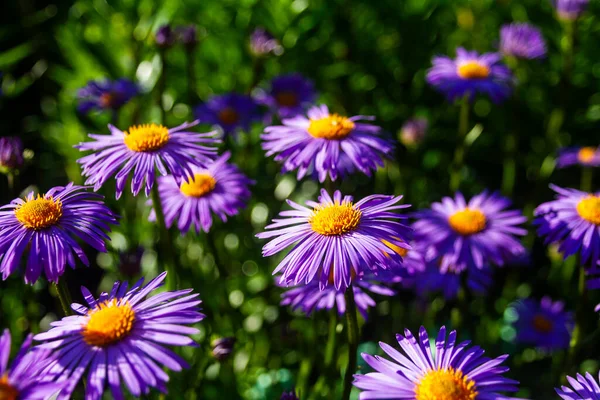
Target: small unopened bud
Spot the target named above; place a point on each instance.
(413, 131)
(222, 347)
(164, 37)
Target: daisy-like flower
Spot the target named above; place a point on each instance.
(336, 237)
(326, 144)
(106, 95)
(448, 371)
(583, 388)
(471, 73)
(263, 43)
(288, 95)
(231, 112)
(543, 324)
(310, 298)
(522, 40)
(570, 10)
(470, 235)
(42, 229)
(572, 221)
(413, 131)
(220, 189)
(22, 379)
(11, 153)
(584, 156)
(119, 337)
(144, 149)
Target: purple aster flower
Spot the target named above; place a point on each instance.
(165, 37)
(230, 111)
(570, 10)
(544, 324)
(188, 35)
(471, 73)
(144, 149)
(427, 372)
(106, 95)
(337, 237)
(309, 298)
(583, 388)
(326, 144)
(11, 153)
(573, 221)
(288, 95)
(23, 379)
(413, 131)
(120, 337)
(220, 189)
(522, 40)
(289, 396)
(263, 43)
(222, 348)
(43, 230)
(583, 156)
(466, 235)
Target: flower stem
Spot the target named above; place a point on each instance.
(510, 165)
(331, 339)
(459, 153)
(162, 85)
(352, 326)
(165, 242)
(587, 176)
(579, 320)
(62, 290)
(191, 76)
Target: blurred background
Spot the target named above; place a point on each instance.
(364, 57)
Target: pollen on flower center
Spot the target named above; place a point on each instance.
(542, 324)
(335, 219)
(109, 322)
(106, 99)
(7, 391)
(586, 154)
(589, 209)
(445, 384)
(332, 127)
(467, 221)
(228, 116)
(473, 70)
(146, 137)
(198, 186)
(286, 99)
(39, 213)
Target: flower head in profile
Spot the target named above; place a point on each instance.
(42, 230)
(413, 131)
(121, 336)
(106, 95)
(583, 388)
(584, 156)
(23, 378)
(573, 221)
(570, 10)
(471, 73)
(288, 95)
(231, 112)
(470, 234)
(11, 153)
(543, 324)
(143, 149)
(220, 189)
(310, 298)
(522, 40)
(325, 144)
(336, 239)
(263, 43)
(425, 372)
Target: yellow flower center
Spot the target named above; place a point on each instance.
(39, 213)
(467, 221)
(7, 392)
(335, 219)
(286, 99)
(473, 70)
(589, 209)
(542, 324)
(586, 154)
(332, 127)
(198, 186)
(106, 100)
(109, 323)
(399, 250)
(146, 137)
(445, 384)
(228, 116)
